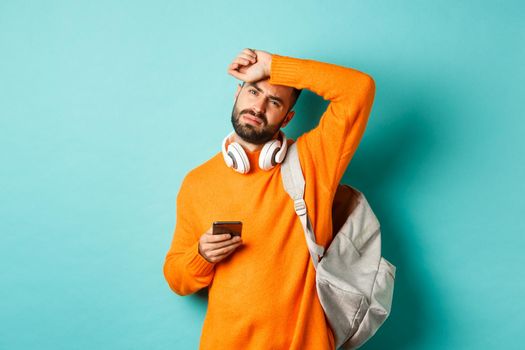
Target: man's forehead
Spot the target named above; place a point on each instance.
(272, 89)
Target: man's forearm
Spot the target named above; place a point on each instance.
(187, 272)
(330, 81)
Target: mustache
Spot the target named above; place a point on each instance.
(258, 115)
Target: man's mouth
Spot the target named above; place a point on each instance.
(252, 119)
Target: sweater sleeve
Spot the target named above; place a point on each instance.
(330, 145)
(185, 269)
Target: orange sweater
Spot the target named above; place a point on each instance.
(263, 295)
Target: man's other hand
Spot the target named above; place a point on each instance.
(215, 248)
(251, 65)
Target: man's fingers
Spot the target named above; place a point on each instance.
(249, 57)
(218, 245)
(242, 61)
(249, 52)
(217, 238)
(223, 251)
(218, 258)
(236, 74)
(250, 65)
(245, 58)
(233, 66)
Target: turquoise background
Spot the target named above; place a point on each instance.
(105, 105)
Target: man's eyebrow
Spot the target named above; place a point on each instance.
(277, 98)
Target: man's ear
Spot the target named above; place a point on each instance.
(239, 87)
(287, 119)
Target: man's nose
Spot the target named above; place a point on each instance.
(259, 106)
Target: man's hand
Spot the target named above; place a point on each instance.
(215, 248)
(251, 65)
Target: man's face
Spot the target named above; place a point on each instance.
(260, 110)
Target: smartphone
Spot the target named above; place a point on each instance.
(232, 227)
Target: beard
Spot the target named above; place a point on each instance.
(250, 133)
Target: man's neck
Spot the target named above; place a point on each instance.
(251, 147)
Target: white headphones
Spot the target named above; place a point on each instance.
(272, 153)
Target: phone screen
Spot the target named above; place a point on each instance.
(232, 227)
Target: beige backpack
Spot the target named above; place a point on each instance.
(355, 284)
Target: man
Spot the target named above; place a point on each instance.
(262, 291)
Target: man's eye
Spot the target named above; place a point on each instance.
(275, 103)
(253, 92)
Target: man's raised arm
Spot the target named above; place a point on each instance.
(331, 145)
(333, 142)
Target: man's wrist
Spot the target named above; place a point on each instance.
(199, 251)
(268, 65)
(265, 59)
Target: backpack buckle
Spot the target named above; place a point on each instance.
(299, 206)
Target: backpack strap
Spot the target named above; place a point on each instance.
(293, 181)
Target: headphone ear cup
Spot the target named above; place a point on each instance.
(268, 152)
(228, 158)
(230, 161)
(240, 160)
(279, 157)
